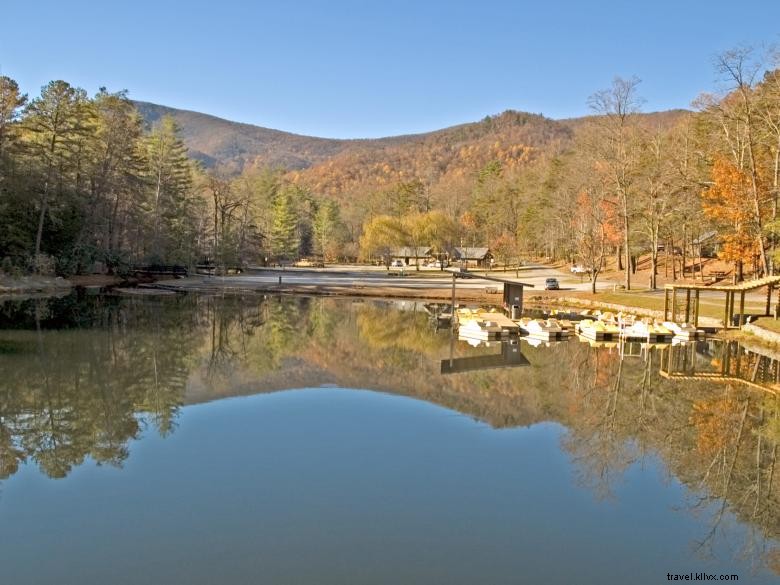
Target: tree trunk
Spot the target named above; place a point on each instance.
(216, 226)
(45, 198)
(666, 259)
(684, 245)
(41, 218)
(756, 201)
(654, 266)
(701, 263)
(626, 242)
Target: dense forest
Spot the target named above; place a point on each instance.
(101, 184)
(85, 185)
(624, 185)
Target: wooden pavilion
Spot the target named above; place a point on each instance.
(677, 306)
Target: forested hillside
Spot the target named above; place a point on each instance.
(237, 147)
(103, 183)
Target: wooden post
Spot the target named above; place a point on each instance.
(453, 298)
(732, 298)
(674, 305)
(742, 308)
(726, 311)
(696, 311)
(687, 305)
(738, 367)
(768, 300)
(666, 304)
(725, 367)
(777, 306)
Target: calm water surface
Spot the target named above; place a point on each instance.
(293, 441)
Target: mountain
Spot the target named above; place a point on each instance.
(236, 146)
(443, 159)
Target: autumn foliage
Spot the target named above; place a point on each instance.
(727, 202)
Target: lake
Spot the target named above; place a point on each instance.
(286, 440)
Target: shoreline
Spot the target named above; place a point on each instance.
(45, 287)
(546, 299)
(537, 298)
(28, 287)
(33, 287)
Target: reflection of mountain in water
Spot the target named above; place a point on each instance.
(82, 378)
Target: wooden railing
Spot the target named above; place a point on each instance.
(161, 270)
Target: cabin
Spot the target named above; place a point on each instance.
(707, 245)
(473, 257)
(412, 256)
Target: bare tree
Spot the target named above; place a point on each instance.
(740, 69)
(616, 150)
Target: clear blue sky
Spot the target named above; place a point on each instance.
(365, 69)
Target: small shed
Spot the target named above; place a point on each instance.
(479, 257)
(513, 298)
(513, 289)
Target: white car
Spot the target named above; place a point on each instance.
(397, 263)
(579, 269)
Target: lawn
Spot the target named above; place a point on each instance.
(769, 324)
(710, 305)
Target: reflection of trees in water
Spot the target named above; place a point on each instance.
(720, 441)
(255, 335)
(81, 391)
(616, 411)
(600, 454)
(84, 390)
(385, 328)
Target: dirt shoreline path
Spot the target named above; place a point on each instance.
(379, 291)
(475, 292)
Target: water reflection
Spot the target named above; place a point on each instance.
(724, 362)
(84, 377)
(507, 356)
(79, 376)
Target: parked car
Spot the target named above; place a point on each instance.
(437, 264)
(397, 263)
(310, 263)
(551, 284)
(580, 270)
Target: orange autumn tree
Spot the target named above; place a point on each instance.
(504, 248)
(468, 226)
(714, 420)
(728, 202)
(590, 226)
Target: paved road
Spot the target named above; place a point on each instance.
(380, 276)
